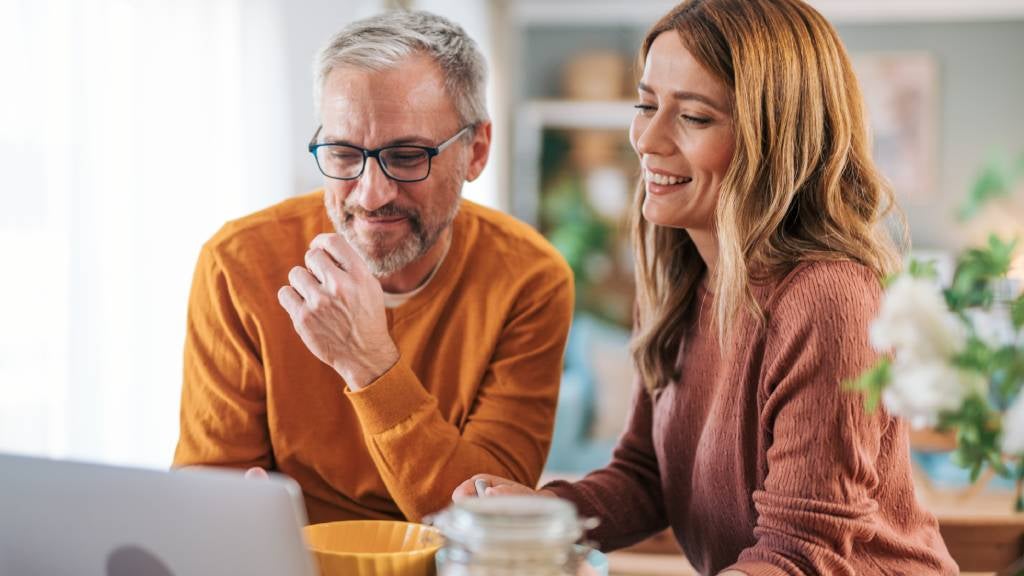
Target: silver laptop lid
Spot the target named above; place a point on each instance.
(70, 518)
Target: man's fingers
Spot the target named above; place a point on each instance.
(341, 251)
(321, 265)
(304, 283)
(290, 300)
(323, 242)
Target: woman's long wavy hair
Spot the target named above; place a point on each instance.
(801, 185)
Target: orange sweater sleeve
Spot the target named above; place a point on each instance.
(508, 431)
(223, 404)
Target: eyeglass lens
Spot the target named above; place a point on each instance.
(399, 162)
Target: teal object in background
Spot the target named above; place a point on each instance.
(598, 561)
(573, 448)
(945, 474)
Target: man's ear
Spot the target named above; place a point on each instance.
(479, 150)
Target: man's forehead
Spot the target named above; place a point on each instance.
(355, 105)
(374, 108)
(416, 83)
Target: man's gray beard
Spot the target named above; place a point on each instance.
(420, 240)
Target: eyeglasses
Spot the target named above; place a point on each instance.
(404, 163)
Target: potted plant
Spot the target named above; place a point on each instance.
(954, 355)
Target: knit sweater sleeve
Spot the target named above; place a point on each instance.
(816, 505)
(422, 457)
(625, 496)
(223, 400)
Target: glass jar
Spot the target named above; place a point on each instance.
(511, 535)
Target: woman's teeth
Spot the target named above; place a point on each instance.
(665, 180)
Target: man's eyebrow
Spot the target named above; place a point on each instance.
(400, 141)
(685, 95)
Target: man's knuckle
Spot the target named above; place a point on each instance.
(316, 305)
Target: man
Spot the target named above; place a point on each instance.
(419, 337)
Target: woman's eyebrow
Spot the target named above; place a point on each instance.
(685, 95)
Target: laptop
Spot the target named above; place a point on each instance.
(70, 518)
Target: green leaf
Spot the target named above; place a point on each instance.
(976, 271)
(1005, 371)
(975, 471)
(990, 183)
(871, 384)
(1017, 312)
(923, 269)
(978, 433)
(995, 460)
(1001, 253)
(888, 280)
(976, 356)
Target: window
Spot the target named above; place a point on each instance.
(116, 164)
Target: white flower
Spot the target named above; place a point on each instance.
(1013, 427)
(915, 323)
(920, 391)
(993, 326)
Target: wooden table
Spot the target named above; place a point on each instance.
(980, 528)
(981, 531)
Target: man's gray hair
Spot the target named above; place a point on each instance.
(383, 41)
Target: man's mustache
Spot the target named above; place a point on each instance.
(385, 211)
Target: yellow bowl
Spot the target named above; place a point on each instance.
(374, 547)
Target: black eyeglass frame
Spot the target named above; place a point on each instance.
(376, 152)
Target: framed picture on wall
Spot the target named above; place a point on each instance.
(900, 90)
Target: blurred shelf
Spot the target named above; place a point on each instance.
(643, 13)
(586, 114)
(535, 116)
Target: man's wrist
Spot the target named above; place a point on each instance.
(359, 377)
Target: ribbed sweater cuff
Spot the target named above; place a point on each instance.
(757, 568)
(572, 492)
(388, 400)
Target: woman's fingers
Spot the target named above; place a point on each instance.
(488, 485)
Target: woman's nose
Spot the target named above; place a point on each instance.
(653, 136)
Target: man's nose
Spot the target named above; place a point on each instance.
(374, 189)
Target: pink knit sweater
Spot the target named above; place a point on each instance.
(757, 458)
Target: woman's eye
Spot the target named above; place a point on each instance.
(645, 109)
(698, 120)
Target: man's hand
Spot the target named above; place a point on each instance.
(337, 308)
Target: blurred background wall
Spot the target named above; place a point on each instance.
(130, 130)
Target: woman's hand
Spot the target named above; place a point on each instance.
(494, 486)
(256, 473)
(497, 486)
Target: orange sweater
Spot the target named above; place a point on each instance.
(475, 389)
(757, 458)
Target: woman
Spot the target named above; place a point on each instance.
(759, 265)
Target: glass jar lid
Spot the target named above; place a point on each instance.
(511, 520)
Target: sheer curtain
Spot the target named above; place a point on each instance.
(130, 130)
